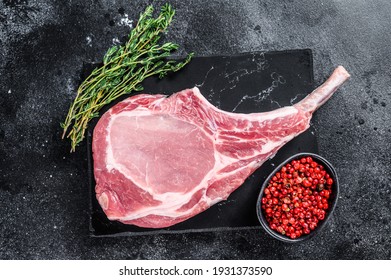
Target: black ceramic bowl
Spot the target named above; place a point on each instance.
(332, 199)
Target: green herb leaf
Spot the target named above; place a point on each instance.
(124, 68)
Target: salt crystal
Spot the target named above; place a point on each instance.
(89, 41)
(125, 21)
(116, 41)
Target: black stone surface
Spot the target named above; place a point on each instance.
(245, 83)
(44, 189)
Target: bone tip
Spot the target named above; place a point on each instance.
(340, 70)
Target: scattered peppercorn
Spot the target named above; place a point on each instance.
(297, 197)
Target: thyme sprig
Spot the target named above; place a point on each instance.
(124, 68)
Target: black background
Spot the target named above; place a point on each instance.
(44, 192)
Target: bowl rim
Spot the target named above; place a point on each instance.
(331, 170)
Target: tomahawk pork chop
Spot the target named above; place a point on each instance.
(160, 160)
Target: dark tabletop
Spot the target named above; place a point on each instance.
(44, 193)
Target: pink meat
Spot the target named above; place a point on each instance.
(161, 160)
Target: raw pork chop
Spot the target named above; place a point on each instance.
(160, 160)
